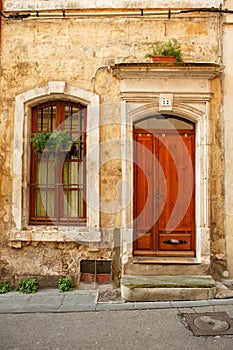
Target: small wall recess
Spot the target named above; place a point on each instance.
(99, 271)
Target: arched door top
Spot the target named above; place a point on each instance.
(164, 121)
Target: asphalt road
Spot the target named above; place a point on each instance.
(104, 330)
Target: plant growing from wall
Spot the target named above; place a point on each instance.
(166, 49)
(28, 286)
(5, 287)
(65, 284)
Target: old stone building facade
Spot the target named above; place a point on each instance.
(147, 190)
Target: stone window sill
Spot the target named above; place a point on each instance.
(56, 234)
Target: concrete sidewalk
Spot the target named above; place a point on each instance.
(52, 301)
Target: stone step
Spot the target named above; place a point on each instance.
(160, 288)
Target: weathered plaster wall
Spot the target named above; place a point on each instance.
(228, 131)
(100, 4)
(34, 52)
(217, 190)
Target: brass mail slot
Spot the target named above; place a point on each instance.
(174, 241)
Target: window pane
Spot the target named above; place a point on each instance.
(74, 121)
(73, 174)
(164, 122)
(71, 118)
(74, 204)
(45, 174)
(78, 149)
(44, 203)
(46, 119)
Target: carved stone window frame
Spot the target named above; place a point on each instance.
(24, 102)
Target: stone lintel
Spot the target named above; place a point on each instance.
(167, 70)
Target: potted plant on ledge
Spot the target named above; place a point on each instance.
(166, 52)
(57, 141)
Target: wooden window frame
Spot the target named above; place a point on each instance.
(59, 217)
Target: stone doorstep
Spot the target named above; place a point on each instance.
(161, 288)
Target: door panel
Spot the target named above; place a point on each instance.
(144, 174)
(143, 191)
(164, 198)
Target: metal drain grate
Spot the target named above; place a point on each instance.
(109, 295)
(228, 283)
(209, 323)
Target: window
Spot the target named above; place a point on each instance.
(163, 121)
(58, 175)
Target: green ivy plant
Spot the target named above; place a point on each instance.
(65, 284)
(59, 140)
(5, 287)
(56, 141)
(28, 286)
(39, 141)
(168, 48)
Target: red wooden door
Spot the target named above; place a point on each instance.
(164, 196)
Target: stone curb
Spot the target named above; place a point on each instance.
(86, 301)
